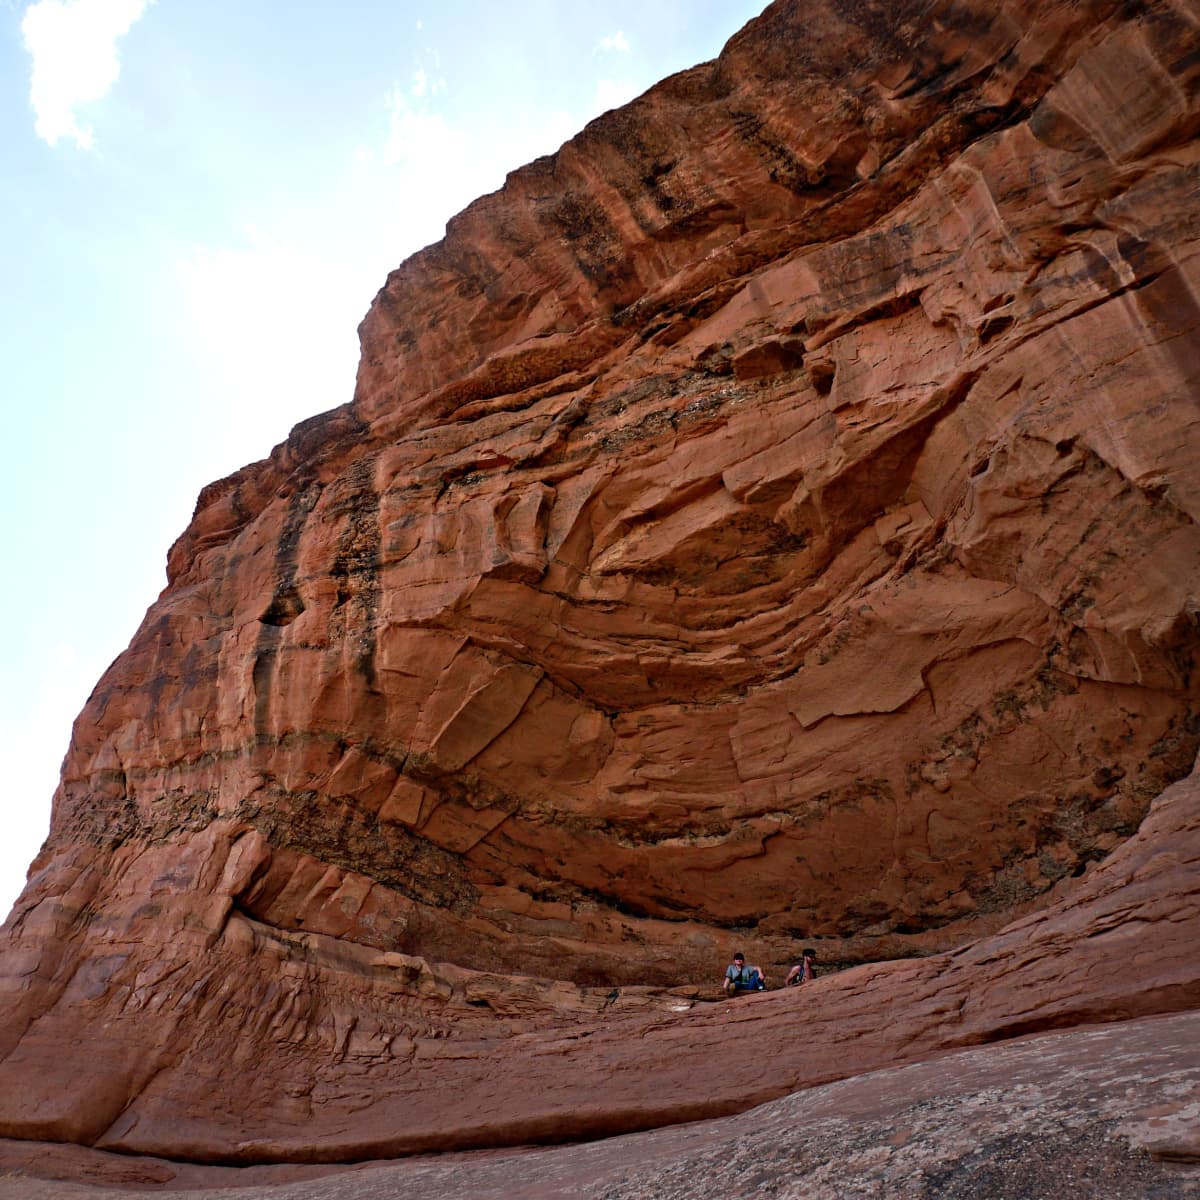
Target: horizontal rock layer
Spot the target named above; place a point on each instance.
(772, 517)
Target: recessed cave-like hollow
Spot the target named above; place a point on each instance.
(284, 608)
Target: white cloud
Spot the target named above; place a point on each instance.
(616, 41)
(419, 136)
(73, 45)
(435, 166)
(423, 84)
(273, 323)
(612, 93)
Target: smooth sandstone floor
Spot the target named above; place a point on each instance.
(1109, 1111)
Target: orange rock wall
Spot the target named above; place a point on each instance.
(772, 517)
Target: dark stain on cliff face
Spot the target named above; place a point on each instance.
(355, 568)
(587, 231)
(285, 599)
(384, 852)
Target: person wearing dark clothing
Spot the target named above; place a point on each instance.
(802, 969)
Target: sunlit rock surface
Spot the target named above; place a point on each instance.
(769, 521)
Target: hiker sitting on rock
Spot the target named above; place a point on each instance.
(741, 978)
(802, 969)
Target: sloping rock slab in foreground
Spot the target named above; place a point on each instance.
(1112, 1111)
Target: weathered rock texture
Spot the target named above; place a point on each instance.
(1108, 1113)
(771, 517)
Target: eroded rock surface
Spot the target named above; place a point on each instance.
(773, 517)
(1104, 1113)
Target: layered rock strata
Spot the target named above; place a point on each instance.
(771, 517)
(355, 1054)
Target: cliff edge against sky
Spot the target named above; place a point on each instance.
(770, 519)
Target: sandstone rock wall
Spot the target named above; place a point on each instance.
(773, 517)
(237, 1043)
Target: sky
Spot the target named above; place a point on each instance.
(198, 202)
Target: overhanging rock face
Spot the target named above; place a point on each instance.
(771, 517)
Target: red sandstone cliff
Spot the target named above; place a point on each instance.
(771, 517)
